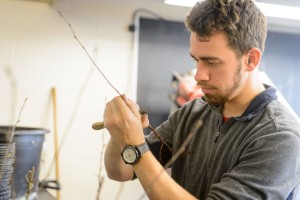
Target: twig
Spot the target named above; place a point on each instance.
(103, 75)
(100, 177)
(100, 184)
(71, 121)
(13, 85)
(29, 177)
(161, 140)
(11, 135)
(120, 190)
(94, 63)
(17, 122)
(174, 157)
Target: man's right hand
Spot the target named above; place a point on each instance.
(124, 122)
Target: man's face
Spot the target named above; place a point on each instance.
(219, 72)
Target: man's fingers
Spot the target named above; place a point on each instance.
(145, 120)
(119, 106)
(107, 113)
(133, 107)
(120, 109)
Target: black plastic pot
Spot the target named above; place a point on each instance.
(29, 143)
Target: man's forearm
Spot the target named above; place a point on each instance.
(156, 181)
(115, 167)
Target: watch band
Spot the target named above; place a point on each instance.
(142, 148)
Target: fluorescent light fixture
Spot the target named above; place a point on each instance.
(185, 3)
(270, 10)
(280, 11)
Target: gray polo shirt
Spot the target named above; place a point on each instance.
(252, 156)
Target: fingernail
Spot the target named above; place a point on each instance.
(124, 97)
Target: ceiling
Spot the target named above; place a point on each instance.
(281, 2)
(146, 2)
(176, 12)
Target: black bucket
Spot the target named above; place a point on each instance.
(29, 143)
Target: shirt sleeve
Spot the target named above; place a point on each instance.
(268, 169)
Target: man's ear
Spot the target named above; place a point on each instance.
(252, 58)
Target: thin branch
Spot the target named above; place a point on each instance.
(17, 122)
(160, 139)
(29, 177)
(120, 190)
(11, 135)
(103, 75)
(162, 142)
(71, 120)
(13, 85)
(94, 63)
(100, 177)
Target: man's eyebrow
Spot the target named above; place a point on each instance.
(205, 57)
(192, 56)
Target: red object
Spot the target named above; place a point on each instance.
(188, 90)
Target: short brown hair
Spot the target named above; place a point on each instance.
(242, 21)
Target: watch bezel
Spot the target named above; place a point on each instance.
(133, 149)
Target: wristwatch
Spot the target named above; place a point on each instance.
(131, 154)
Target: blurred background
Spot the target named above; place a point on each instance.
(142, 48)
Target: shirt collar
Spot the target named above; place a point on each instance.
(258, 103)
(256, 106)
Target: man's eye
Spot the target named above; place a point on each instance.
(194, 59)
(211, 62)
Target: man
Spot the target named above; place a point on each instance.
(248, 146)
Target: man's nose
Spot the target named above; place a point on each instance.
(202, 74)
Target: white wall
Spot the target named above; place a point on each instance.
(38, 52)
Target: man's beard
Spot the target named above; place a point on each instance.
(220, 98)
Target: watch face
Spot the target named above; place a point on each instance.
(129, 155)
